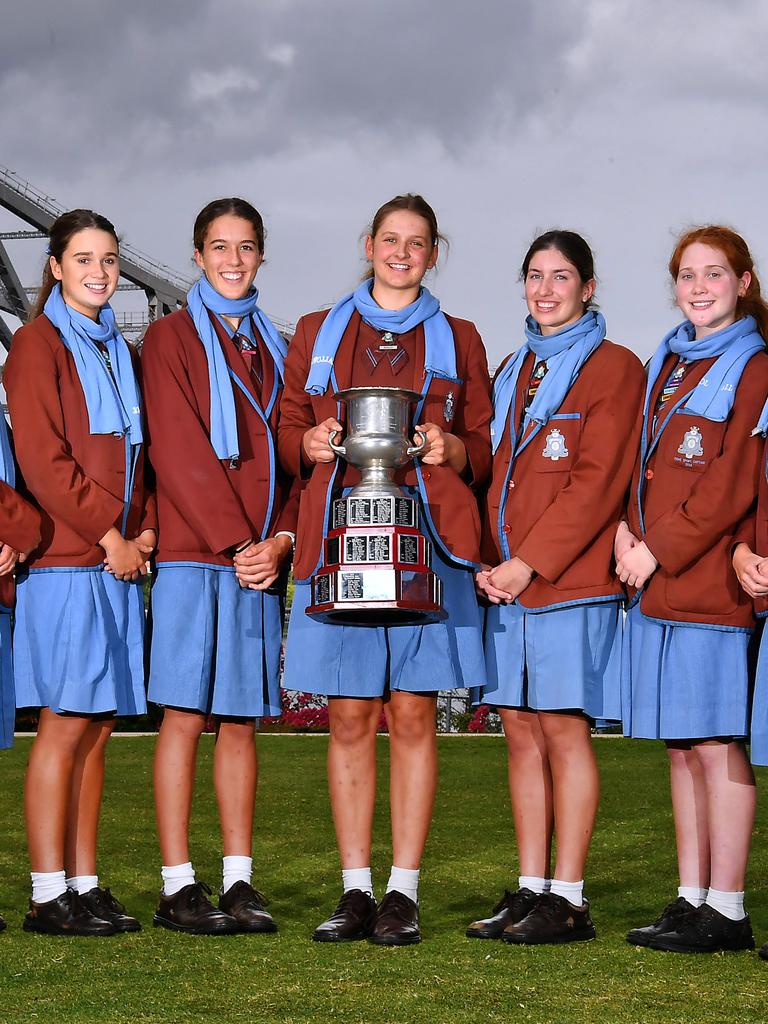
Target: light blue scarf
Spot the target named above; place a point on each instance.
(201, 298)
(714, 395)
(565, 353)
(439, 345)
(7, 465)
(113, 402)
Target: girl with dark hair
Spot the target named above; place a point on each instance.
(213, 376)
(76, 408)
(388, 332)
(688, 628)
(564, 432)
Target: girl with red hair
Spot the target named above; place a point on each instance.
(689, 625)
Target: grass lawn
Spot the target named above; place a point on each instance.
(157, 975)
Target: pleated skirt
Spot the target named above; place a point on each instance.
(7, 691)
(554, 660)
(215, 646)
(682, 681)
(78, 642)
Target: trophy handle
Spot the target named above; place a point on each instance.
(339, 449)
(417, 449)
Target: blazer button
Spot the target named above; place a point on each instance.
(511, 485)
(507, 528)
(649, 474)
(426, 474)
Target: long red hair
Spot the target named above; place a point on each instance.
(739, 258)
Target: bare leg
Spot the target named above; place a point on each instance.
(175, 762)
(235, 775)
(413, 773)
(352, 775)
(48, 785)
(85, 799)
(689, 803)
(576, 789)
(530, 788)
(731, 799)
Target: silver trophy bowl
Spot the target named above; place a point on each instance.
(377, 441)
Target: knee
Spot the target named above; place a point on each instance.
(412, 725)
(182, 725)
(350, 728)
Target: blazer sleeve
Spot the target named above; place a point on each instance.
(473, 418)
(599, 478)
(185, 464)
(19, 521)
(297, 414)
(725, 494)
(53, 477)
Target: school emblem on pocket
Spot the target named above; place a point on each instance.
(691, 446)
(555, 448)
(448, 407)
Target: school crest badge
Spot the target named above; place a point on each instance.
(691, 446)
(448, 408)
(555, 448)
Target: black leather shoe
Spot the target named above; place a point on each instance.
(246, 905)
(763, 952)
(706, 930)
(3, 925)
(667, 921)
(351, 921)
(552, 920)
(103, 904)
(397, 921)
(66, 915)
(190, 910)
(511, 908)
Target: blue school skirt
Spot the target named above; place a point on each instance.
(554, 660)
(683, 682)
(366, 661)
(7, 693)
(78, 642)
(758, 732)
(215, 645)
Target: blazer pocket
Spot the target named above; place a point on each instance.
(692, 442)
(556, 445)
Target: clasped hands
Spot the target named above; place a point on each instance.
(635, 563)
(127, 559)
(751, 570)
(505, 582)
(258, 564)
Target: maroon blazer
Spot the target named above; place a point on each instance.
(694, 509)
(560, 515)
(76, 478)
(206, 506)
(452, 503)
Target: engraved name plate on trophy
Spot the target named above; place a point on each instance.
(377, 564)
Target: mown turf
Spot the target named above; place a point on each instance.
(157, 975)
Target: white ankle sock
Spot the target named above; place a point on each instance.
(571, 891)
(357, 878)
(82, 883)
(729, 904)
(47, 885)
(176, 876)
(406, 881)
(694, 894)
(236, 869)
(534, 883)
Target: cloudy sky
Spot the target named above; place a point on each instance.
(627, 120)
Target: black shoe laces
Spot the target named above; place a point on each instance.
(106, 901)
(398, 905)
(675, 911)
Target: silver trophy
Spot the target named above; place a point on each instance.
(376, 562)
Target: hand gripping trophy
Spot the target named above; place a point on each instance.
(376, 562)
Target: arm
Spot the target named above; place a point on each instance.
(180, 449)
(43, 452)
(297, 416)
(472, 423)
